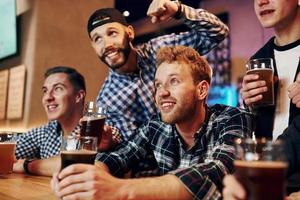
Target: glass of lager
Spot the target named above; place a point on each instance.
(263, 67)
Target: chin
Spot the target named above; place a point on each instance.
(267, 23)
(52, 117)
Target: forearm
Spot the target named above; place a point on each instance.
(159, 188)
(205, 21)
(45, 167)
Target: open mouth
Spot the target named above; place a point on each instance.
(51, 108)
(167, 105)
(266, 12)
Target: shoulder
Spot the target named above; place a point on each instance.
(51, 126)
(220, 110)
(266, 50)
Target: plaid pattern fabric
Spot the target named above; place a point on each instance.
(129, 98)
(201, 168)
(42, 142)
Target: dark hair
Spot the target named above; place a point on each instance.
(200, 69)
(75, 78)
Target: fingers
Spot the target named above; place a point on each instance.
(232, 189)
(294, 196)
(252, 89)
(294, 91)
(156, 8)
(74, 169)
(161, 10)
(73, 180)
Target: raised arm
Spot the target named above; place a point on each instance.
(206, 32)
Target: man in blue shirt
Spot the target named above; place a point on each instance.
(192, 145)
(128, 91)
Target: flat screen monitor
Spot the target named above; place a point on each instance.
(8, 28)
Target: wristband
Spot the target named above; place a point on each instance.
(25, 165)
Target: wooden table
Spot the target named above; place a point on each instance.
(25, 187)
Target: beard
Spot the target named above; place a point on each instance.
(182, 111)
(123, 49)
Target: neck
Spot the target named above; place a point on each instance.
(188, 128)
(70, 122)
(288, 33)
(131, 64)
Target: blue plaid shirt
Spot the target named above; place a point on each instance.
(41, 142)
(201, 168)
(129, 98)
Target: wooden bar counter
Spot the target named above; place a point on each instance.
(25, 187)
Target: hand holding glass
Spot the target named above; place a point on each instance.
(263, 67)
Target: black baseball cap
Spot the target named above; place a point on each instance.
(103, 16)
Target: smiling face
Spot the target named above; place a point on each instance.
(111, 42)
(176, 93)
(59, 97)
(276, 13)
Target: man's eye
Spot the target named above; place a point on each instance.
(58, 89)
(97, 39)
(113, 33)
(174, 81)
(157, 85)
(44, 91)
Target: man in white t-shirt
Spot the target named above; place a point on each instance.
(284, 17)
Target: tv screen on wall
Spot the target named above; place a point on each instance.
(8, 28)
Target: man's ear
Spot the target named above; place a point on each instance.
(80, 96)
(130, 32)
(202, 90)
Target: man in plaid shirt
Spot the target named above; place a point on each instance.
(192, 145)
(128, 91)
(63, 99)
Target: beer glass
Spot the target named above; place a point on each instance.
(92, 122)
(261, 167)
(7, 152)
(263, 67)
(78, 149)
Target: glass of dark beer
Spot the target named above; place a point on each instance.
(78, 149)
(263, 67)
(92, 122)
(261, 167)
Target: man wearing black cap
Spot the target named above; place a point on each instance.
(128, 90)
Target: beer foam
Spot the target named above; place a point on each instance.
(261, 164)
(88, 118)
(259, 69)
(78, 152)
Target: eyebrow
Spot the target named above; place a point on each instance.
(56, 84)
(170, 75)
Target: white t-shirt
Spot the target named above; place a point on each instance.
(287, 59)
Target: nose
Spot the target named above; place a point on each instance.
(162, 92)
(261, 2)
(107, 42)
(48, 96)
